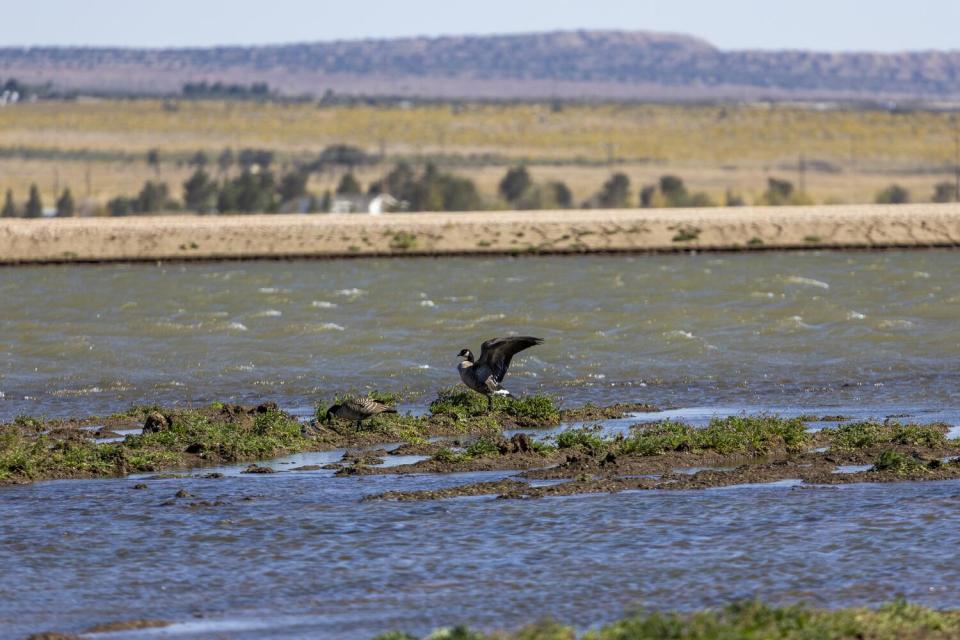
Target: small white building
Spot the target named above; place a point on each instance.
(9, 97)
(373, 205)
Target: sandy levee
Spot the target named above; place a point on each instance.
(503, 232)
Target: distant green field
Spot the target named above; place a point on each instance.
(849, 154)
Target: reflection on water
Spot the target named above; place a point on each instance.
(800, 329)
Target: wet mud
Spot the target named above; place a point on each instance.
(604, 469)
(162, 439)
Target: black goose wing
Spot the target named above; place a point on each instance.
(495, 354)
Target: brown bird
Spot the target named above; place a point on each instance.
(485, 374)
(357, 409)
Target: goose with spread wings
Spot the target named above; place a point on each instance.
(484, 374)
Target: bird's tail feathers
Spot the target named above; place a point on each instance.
(502, 392)
(390, 410)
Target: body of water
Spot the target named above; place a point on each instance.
(815, 329)
(299, 555)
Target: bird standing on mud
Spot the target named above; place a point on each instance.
(357, 409)
(485, 374)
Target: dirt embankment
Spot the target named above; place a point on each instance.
(506, 232)
(861, 452)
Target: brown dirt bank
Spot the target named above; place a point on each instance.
(811, 472)
(504, 232)
(894, 453)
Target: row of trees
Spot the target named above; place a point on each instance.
(521, 192)
(245, 159)
(257, 190)
(219, 90)
(33, 207)
(333, 156)
(895, 194)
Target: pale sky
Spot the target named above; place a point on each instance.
(837, 25)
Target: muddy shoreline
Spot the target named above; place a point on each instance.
(459, 436)
(180, 237)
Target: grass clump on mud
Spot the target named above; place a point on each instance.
(901, 464)
(217, 433)
(864, 435)
(224, 433)
(382, 428)
(897, 620)
(23, 458)
(462, 404)
(493, 447)
(455, 411)
(587, 438)
(755, 435)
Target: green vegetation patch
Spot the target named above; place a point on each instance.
(587, 438)
(863, 435)
(735, 434)
(899, 463)
(686, 234)
(23, 458)
(754, 435)
(898, 620)
(492, 447)
(755, 620)
(403, 241)
(457, 411)
(217, 433)
(462, 403)
(225, 433)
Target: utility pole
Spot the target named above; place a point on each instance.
(853, 166)
(956, 158)
(802, 170)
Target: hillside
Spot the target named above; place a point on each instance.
(589, 64)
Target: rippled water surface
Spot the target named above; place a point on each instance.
(299, 555)
(816, 329)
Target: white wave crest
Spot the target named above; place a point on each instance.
(351, 292)
(895, 324)
(427, 303)
(855, 315)
(323, 304)
(237, 326)
(63, 393)
(810, 282)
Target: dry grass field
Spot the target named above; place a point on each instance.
(850, 154)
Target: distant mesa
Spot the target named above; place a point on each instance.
(568, 64)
